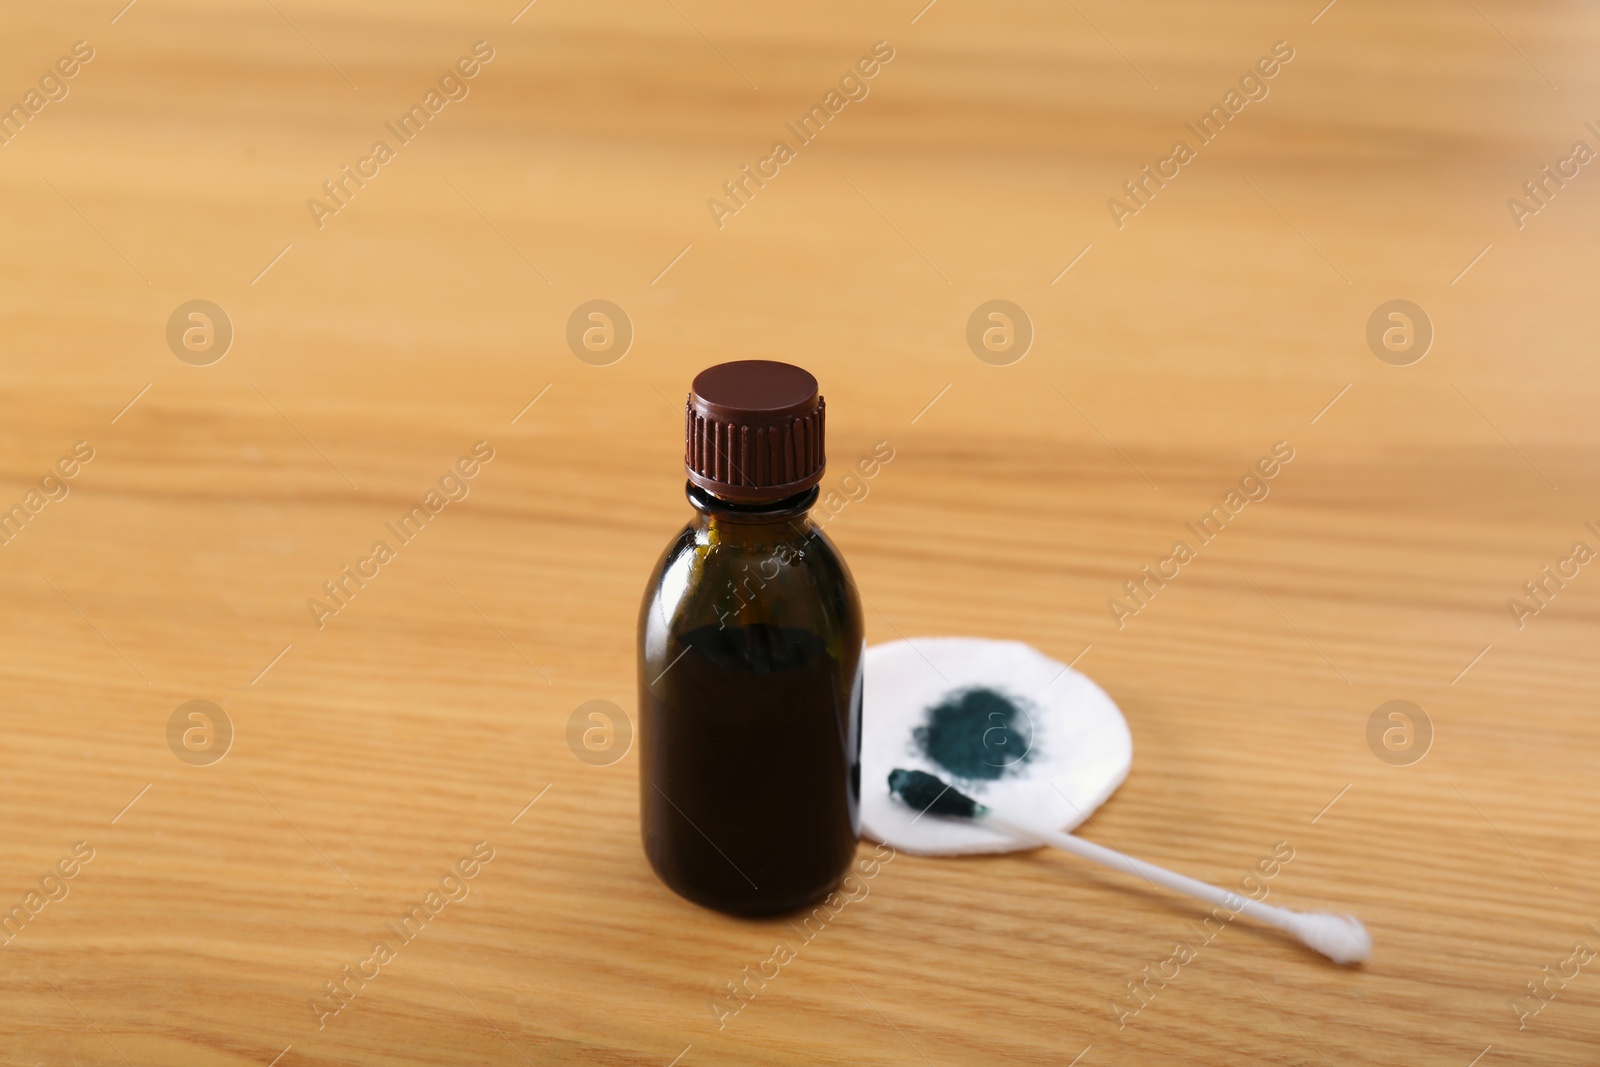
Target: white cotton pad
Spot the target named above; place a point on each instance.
(1064, 751)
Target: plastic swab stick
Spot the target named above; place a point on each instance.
(1341, 938)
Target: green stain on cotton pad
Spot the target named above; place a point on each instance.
(976, 734)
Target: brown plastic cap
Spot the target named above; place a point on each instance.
(754, 431)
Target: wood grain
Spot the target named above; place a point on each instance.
(1229, 313)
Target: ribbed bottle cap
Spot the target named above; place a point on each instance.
(754, 431)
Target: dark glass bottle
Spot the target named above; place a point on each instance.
(750, 660)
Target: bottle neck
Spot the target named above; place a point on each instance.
(714, 512)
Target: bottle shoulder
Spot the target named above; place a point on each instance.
(787, 574)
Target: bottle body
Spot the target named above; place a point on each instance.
(750, 684)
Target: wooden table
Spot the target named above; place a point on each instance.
(375, 745)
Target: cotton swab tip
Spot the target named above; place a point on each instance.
(1341, 938)
(930, 793)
